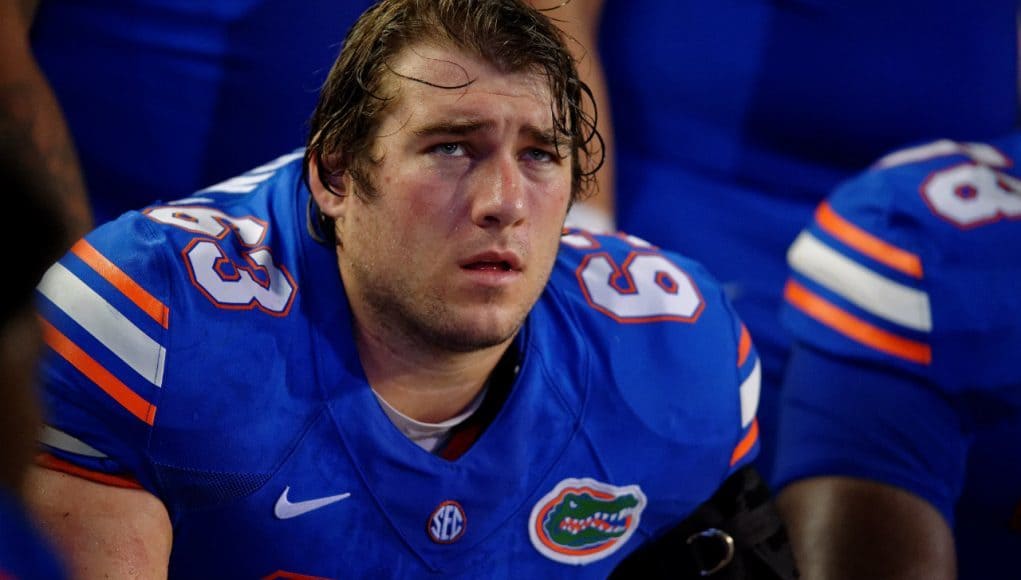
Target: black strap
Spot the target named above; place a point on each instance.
(735, 535)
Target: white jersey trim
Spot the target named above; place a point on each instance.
(250, 180)
(60, 440)
(980, 152)
(872, 292)
(750, 389)
(104, 322)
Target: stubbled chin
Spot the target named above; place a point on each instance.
(476, 328)
(474, 339)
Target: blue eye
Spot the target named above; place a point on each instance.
(539, 155)
(451, 149)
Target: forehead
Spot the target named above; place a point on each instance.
(448, 81)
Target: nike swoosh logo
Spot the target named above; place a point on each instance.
(285, 509)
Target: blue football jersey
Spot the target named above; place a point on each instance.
(735, 118)
(164, 97)
(903, 300)
(24, 553)
(202, 350)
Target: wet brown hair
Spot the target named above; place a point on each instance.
(508, 34)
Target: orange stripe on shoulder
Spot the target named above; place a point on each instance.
(746, 444)
(114, 275)
(744, 346)
(873, 247)
(105, 380)
(855, 328)
(50, 462)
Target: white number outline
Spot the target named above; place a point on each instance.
(260, 276)
(620, 278)
(996, 188)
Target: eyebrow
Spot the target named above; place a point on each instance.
(461, 128)
(547, 137)
(453, 128)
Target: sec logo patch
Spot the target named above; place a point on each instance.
(447, 523)
(584, 520)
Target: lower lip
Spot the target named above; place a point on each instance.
(491, 276)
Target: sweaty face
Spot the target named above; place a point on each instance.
(461, 240)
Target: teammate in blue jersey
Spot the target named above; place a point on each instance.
(382, 357)
(902, 401)
(32, 247)
(733, 119)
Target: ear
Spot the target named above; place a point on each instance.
(331, 203)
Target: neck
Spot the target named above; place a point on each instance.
(426, 384)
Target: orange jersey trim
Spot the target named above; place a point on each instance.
(89, 367)
(50, 462)
(855, 328)
(873, 247)
(744, 346)
(114, 275)
(746, 443)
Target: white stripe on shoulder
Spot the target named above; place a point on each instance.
(979, 152)
(249, 181)
(279, 161)
(750, 395)
(877, 294)
(97, 316)
(60, 440)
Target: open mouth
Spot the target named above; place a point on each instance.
(498, 266)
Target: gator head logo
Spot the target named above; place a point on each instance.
(584, 520)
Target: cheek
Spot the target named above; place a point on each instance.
(395, 225)
(424, 204)
(550, 212)
(419, 207)
(552, 202)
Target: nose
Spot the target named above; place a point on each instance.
(498, 196)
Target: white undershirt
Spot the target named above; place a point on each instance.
(429, 436)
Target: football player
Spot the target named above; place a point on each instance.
(902, 403)
(383, 357)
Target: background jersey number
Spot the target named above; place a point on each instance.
(970, 195)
